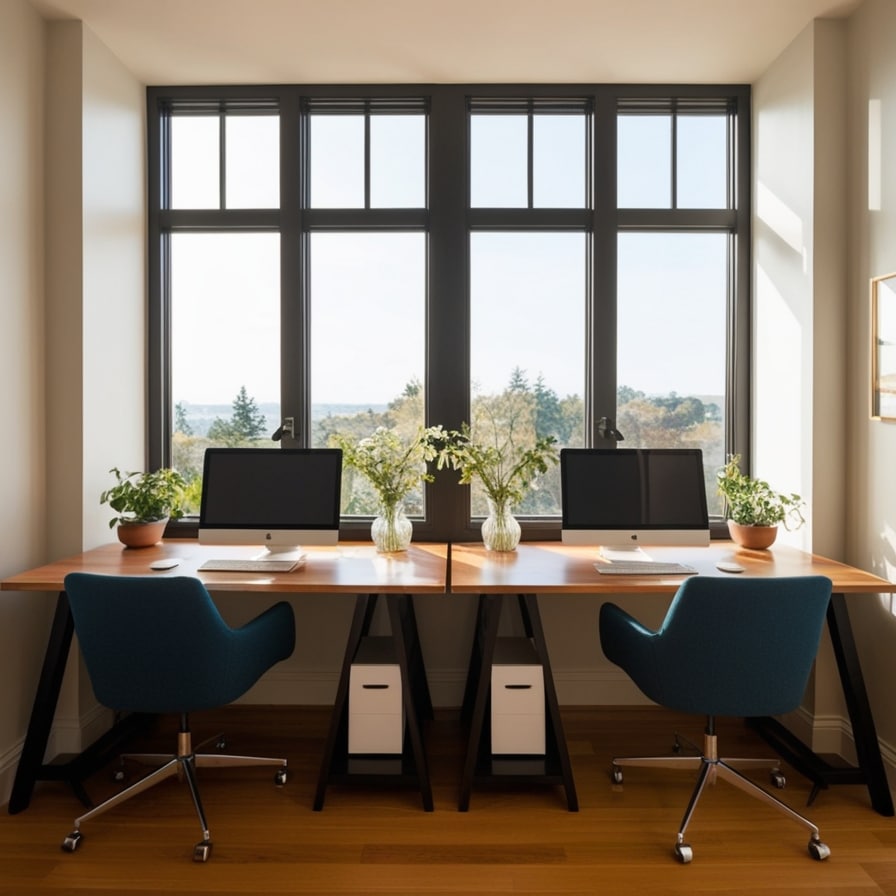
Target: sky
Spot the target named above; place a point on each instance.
(528, 291)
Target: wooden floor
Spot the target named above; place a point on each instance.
(516, 839)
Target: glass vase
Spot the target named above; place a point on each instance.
(500, 529)
(391, 530)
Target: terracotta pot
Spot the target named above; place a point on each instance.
(141, 535)
(755, 537)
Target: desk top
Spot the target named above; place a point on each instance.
(352, 568)
(346, 568)
(554, 567)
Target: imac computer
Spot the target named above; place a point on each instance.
(622, 498)
(281, 498)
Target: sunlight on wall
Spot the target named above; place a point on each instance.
(785, 222)
(888, 570)
(778, 400)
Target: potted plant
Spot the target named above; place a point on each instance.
(394, 466)
(506, 470)
(754, 509)
(144, 502)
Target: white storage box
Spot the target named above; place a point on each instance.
(375, 708)
(517, 699)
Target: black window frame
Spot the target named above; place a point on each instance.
(448, 219)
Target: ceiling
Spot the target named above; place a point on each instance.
(424, 41)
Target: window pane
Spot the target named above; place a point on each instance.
(644, 146)
(225, 343)
(702, 161)
(368, 301)
(558, 158)
(195, 162)
(397, 161)
(499, 161)
(527, 342)
(253, 161)
(337, 161)
(671, 344)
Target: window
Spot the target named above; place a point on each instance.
(342, 258)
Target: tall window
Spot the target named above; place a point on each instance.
(366, 291)
(330, 260)
(676, 263)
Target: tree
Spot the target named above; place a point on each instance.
(549, 419)
(181, 424)
(247, 418)
(246, 424)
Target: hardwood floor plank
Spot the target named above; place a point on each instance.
(374, 839)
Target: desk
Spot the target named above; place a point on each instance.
(355, 569)
(556, 569)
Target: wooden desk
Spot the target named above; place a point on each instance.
(554, 569)
(351, 569)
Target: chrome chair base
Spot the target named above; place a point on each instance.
(711, 768)
(183, 764)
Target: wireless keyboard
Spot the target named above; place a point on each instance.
(644, 568)
(249, 565)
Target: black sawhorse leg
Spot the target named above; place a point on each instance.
(415, 697)
(870, 769)
(477, 696)
(31, 767)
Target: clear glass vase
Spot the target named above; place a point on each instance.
(500, 529)
(391, 530)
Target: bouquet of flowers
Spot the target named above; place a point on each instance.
(392, 465)
(507, 471)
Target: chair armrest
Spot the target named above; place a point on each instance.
(631, 646)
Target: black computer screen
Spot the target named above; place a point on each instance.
(633, 488)
(271, 488)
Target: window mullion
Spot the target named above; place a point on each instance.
(222, 160)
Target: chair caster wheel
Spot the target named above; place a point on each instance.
(684, 853)
(616, 775)
(119, 776)
(221, 743)
(818, 850)
(71, 843)
(280, 777)
(202, 851)
(778, 780)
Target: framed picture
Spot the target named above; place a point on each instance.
(883, 347)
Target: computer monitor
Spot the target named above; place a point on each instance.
(281, 498)
(627, 497)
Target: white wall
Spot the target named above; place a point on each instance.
(818, 240)
(799, 346)
(871, 543)
(72, 342)
(24, 619)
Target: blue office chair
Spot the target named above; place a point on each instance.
(727, 647)
(159, 645)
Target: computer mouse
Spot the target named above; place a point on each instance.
(164, 563)
(729, 567)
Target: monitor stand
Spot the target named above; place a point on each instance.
(281, 552)
(624, 553)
